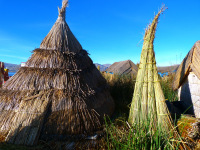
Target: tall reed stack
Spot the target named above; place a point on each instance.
(58, 94)
(148, 101)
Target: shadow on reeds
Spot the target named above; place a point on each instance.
(183, 106)
(121, 135)
(186, 97)
(180, 80)
(166, 84)
(118, 131)
(22, 136)
(121, 89)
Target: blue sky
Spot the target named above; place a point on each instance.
(110, 30)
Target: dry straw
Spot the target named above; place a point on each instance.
(59, 93)
(148, 99)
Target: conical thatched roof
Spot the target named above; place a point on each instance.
(123, 67)
(190, 63)
(59, 92)
(60, 37)
(148, 100)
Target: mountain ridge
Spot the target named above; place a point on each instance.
(12, 67)
(103, 67)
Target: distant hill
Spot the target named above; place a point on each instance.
(123, 67)
(102, 67)
(172, 68)
(12, 67)
(107, 65)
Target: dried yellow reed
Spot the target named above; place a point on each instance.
(148, 99)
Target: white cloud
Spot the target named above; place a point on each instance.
(13, 56)
(4, 37)
(5, 50)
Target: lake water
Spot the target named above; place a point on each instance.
(11, 73)
(163, 74)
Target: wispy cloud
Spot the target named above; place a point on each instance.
(4, 37)
(13, 56)
(5, 50)
(10, 43)
(37, 25)
(130, 17)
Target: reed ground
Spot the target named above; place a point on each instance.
(118, 134)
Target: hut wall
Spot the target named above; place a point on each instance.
(189, 92)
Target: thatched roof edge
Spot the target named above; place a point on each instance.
(190, 63)
(57, 50)
(57, 59)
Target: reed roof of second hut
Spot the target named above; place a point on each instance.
(190, 63)
(123, 67)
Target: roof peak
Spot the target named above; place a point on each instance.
(62, 10)
(197, 41)
(60, 36)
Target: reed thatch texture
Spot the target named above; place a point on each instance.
(1, 74)
(60, 37)
(59, 93)
(190, 63)
(1, 80)
(123, 68)
(148, 98)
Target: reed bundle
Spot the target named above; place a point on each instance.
(59, 93)
(148, 99)
(148, 103)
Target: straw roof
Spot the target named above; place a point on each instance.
(190, 63)
(148, 98)
(58, 94)
(60, 37)
(123, 67)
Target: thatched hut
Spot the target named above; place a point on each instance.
(59, 93)
(123, 68)
(187, 80)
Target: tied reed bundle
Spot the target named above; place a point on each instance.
(148, 103)
(148, 99)
(147, 94)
